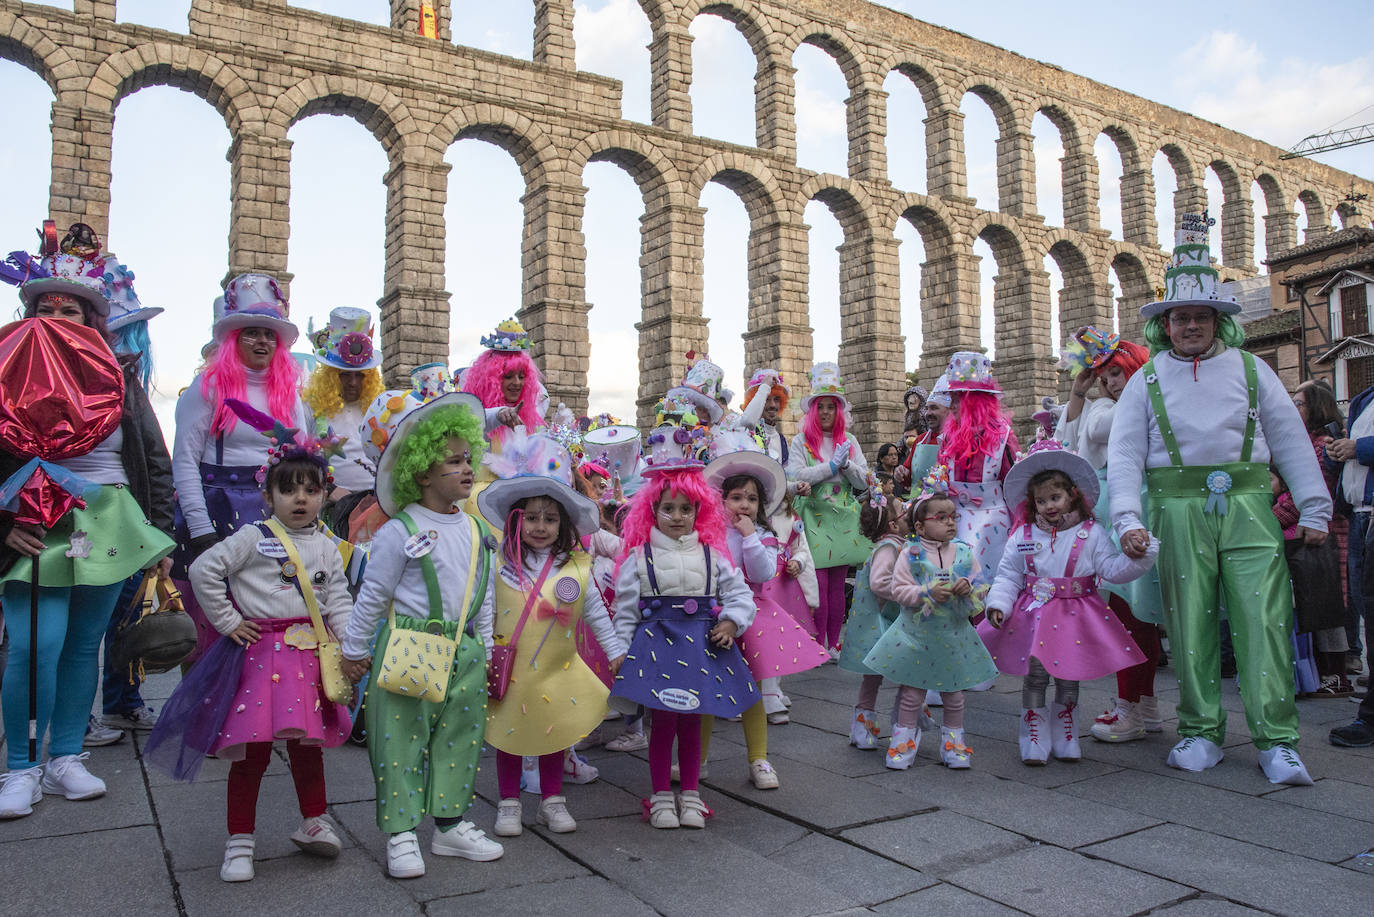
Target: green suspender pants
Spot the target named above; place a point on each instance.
(1220, 545)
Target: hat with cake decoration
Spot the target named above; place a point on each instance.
(971, 371)
(701, 387)
(256, 301)
(825, 382)
(735, 451)
(1189, 278)
(346, 342)
(1051, 455)
(509, 336)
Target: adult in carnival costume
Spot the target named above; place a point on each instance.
(978, 446)
(768, 385)
(509, 385)
(86, 503)
(345, 382)
(216, 456)
(1106, 362)
(1200, 423)
(923, 452)
(830, 460)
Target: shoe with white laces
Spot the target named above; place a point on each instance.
(576, 768)
(634, 740)
(694, 811)
(1122, 723)
(863, 729)
(954, 754)
(20, 791)
(1149, 713)
(762, 775)
(663, 810)
(465, 840)
(1194, 753)
(67, 776)
(1064, 734)
(403, 859)
(553, 811)
(98, 735)
(1032, 736)
(1281, 764)
(141, 720)
(238, 859)
(901, 751)
(508, 813)
(316, 837)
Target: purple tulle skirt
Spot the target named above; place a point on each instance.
(190, 722)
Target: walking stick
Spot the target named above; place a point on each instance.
(33, 664)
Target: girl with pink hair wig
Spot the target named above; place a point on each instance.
(486, 378)
(680, 604)
(979, 447)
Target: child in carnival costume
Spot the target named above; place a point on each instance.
(544, 588)
(345, 382)
(432, 566)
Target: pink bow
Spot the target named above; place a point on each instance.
(976, 501)
(560, 612)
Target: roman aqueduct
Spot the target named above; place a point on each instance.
(264, 65)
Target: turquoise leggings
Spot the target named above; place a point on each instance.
(71, 624)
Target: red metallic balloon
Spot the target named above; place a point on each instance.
(61, 389)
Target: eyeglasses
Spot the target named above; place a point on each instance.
(942, 517)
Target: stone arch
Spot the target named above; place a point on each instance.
(996, 97)
(752, 24)
(1126, 145)
(28, 46)
(753, 181)
(847, 200)
(1236, 216)
(658, 12)
(933, 90)
(1066, 249)
(1006, 239)
(524, 140)
(384, 115)
(1280, 221)
(1083, 300)
(1070, 133)
(931, 219)
(834, 42)
(166, 64)
(1136, 291)
(1184, 170)
(657, 177)
(1318, 216)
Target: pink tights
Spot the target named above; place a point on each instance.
(830, 611)
(508, 774)
(910, 701)
(666, 726)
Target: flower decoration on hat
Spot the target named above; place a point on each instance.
(769, 377)
(346, 342)
(288, 442)
(674, 448)
(510, 335)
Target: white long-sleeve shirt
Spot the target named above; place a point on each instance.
(393, 579)
(593, 607)
(349, 473)
(255, 579)
(1089, 432)
(856, 472)
(1099, 557)
(195, 444)
(786, 526)
(1208, 416)
(758, 560)
(680, 568)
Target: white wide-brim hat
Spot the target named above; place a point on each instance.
(497, 500)
(286, 331)
(701, 400)
(141, 314)
(759, 465)
(1223, 306)
(386, 465)
(32, 289)
(1050, 455)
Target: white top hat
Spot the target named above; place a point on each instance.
(346, 342)
(256, 301)
(825, 382)
(1189, 278)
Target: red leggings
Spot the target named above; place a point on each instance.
(508, 774)
(245, 778)
(829, 616)
(686, 728)
(1139, 680)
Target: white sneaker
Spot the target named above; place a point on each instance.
(1035, 747)
(663, 810)
(863, 729)
(508, 813)
(67, 775)
(403, 859)
(1149, 713)
(1122, 723)
(954, 754)
(675, 774)
(465, 840)
(780, 718)
(694, 811)
(628, 741)
(99, 735)
(20, 791)
(762, 775)
(1064, 734)
(238, 859)
(591, 740)
(1195, 753)
(141, 720)
(553, 812)
(901, 751)
(576, 769)
(787, 701)
(1281, 764)
(316, 837)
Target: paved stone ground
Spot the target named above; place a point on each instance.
(1118, 833)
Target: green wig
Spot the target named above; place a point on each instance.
(427, 444)
(1229, 332)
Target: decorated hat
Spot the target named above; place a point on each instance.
(256, 301)
(615, 447)
(825, 381)
(70, 275)
(404, 423)
(1189, 278)
(288, 442)
(1048, 415)
(740, 452)
(380, 419)
(1051, 455)
(430, 380)
(534, 466)
(939, 392)
(675, 410)
(563, 428)
(1088, 350)
(971, 371)
(769, 377)
(346, 342)
(125, 308)
(672, 448)
(701, 387)
(509, 336)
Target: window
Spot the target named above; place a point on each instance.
(1271, 357)
(1359, 371)
(1292, 289)
(1354, 311)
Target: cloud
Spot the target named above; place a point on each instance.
(614, 41)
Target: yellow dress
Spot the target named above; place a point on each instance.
(554, 699)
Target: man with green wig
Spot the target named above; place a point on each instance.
(1201, 423)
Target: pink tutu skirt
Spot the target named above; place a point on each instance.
(786, 592)
(1076, 637)
(279, 694)
(776, 645)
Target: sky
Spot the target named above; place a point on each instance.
(1261, 67)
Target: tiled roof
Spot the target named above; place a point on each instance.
(1322, 243)
(1354, 261)
(1272, 325)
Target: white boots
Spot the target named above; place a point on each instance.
(1034, 737)
(863, 729)
(954, 754)
(902, 750)
(1064, 734)
(1123, 723)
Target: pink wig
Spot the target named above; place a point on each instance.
(226, 377)
(484, 381)
(639, 517)
(811, 425)
(976, 428)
